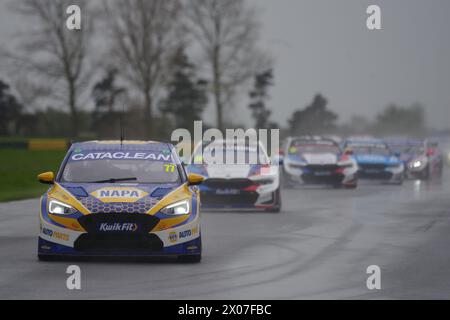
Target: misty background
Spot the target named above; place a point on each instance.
(315, 48)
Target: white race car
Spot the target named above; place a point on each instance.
(315, 160)
(240, 176)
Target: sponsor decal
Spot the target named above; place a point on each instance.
(121, 156)
(119, 194)
(227, 191)
(55, 234)
(188, 233)
(117, 226)
(173, 237)
(185, 233)
(169, 167)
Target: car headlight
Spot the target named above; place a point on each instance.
(177, 208)
(58, 207)
(417, 163)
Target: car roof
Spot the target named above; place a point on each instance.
(316, 141)
(126, 145)
(405, 142)
(365, 141)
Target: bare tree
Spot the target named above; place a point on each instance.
(143, 33)
(227, 32)
(53, 54)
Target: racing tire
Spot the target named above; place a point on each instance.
(426, 173)
(277, 206)
(191, 258)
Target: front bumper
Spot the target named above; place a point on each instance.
(321, 175)
(243, 194)
(381, 173)
(181, 240)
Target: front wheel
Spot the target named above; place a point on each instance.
(277, 206)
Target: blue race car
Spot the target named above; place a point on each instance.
(112, 198)
(376, 161)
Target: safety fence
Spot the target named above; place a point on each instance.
(36, 144)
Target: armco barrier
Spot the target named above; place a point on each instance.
(13, 144)
(48, 144)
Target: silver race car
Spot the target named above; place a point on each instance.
(315, 160)
(241, 177)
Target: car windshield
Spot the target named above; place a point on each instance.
(370, 149)
(413, 150)
(120, 171)
(314, 149)
(299, 147)
(231, 155)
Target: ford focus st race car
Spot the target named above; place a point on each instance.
(241, 176)
(120, 199)
(420, 160)
(376, 161)
(318, 161)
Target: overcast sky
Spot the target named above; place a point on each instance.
(324, 46)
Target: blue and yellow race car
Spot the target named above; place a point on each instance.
(113, 198)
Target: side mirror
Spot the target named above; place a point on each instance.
(46, 177)
(279, 158)
(195, 179)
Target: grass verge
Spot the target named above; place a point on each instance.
(18, 171)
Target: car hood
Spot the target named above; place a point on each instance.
(375, 159)
(405, 157)
(115, 197)
(320, 158)
(228, 171)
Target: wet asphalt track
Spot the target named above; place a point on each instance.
(318, 247)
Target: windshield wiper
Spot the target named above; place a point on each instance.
(112, 180)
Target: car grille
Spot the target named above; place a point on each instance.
(318, 167)
(91, 222)
(238, 183)
(372, 166)
(139, 239)
(115, 243)
(383, 175)
(97, 206)
(229, 200)
(327, 180)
